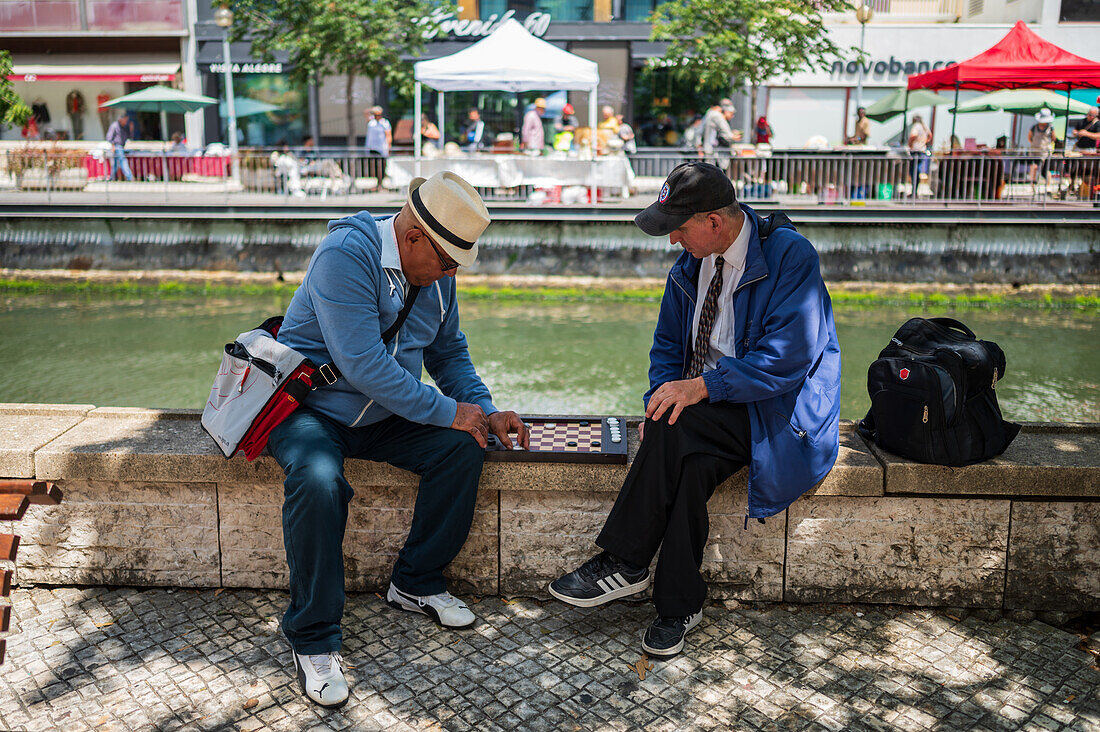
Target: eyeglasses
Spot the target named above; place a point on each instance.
(443, 263)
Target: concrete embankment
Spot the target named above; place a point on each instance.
(860, 247)
(150, 501)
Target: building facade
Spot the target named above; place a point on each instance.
(71, 50)
(71, 55)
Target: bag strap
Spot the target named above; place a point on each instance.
(772, 222)
(329, 371)
(952, 323)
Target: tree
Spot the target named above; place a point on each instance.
(732, 42)
(330, 37)
(14, 112)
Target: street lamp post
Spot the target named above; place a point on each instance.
(864, 13)
(223, 17)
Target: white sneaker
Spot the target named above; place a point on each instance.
(321, 677)
(444, 608)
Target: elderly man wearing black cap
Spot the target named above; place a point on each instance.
(744, 370)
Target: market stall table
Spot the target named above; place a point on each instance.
(510, 171)
(150, 165)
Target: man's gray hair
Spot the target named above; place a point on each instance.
(730, 212)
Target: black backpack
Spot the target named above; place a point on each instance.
(933, 395)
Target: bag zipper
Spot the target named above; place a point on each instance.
(235, 349)
(925, 417)
(801, 433)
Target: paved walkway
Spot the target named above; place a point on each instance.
(129, 659)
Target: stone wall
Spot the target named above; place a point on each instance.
(150, 501)
(853, 247)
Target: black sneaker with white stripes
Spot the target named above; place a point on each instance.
(601, 579)
(665, 636)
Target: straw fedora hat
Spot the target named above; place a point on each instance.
(452, 212)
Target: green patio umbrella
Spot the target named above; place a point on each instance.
(893, 103)
(164, 100)
(1023, 101)
(247, 107)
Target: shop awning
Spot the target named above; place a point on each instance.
(95, 72)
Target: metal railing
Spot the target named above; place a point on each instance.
(896, 177)
(858, 177)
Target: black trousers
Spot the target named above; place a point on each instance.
(663, 501)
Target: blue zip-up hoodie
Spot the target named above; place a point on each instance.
(345, 303)
(787, 365)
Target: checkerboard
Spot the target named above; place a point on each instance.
(568, 439)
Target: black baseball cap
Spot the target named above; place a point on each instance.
(690, 188)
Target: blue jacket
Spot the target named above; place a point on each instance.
(345, 303)
(787, 367)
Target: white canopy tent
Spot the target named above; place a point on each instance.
(509, 59)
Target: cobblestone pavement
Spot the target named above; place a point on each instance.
(129, 659)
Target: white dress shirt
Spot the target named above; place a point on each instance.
(721, 334)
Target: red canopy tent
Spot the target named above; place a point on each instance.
(1020, 60)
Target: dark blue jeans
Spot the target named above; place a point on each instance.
(311, 449)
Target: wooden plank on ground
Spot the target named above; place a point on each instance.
(5, 583)
(9, 545)
(3, 647)
(12, 506)
(39, 492)
(5, 618)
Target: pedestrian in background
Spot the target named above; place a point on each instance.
(762, 134)
(1041, 140)
(565, 128)
(118, 134)
(532, 136)
(862, 130)
(379, 139)
(474, 134)
(716, 129)
(429, 133)
(626, 134)
(920, 137)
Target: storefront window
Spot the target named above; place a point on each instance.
(1081, 10)
(664, 108)
(102, 15)
(636, 11)
(565, 10)
(270, 110)
(134, 16)
(36, 15)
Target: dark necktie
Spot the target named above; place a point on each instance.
(706, 320)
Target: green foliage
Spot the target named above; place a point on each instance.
(724, 42)
(14, 112)
(329, 37)
(860, 299)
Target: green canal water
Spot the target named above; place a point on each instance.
(537, 357)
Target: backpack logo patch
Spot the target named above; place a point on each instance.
(904, 374)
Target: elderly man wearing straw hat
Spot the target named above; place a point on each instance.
(378, 301)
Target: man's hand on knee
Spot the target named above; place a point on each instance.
(470, 418)
(675, 396)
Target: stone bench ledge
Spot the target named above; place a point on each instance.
(128, 444)
(1045, 460)
(24, 428)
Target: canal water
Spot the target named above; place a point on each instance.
(537, 357)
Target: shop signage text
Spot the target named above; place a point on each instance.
(272, 68)
(443, 23)
(893, 67)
